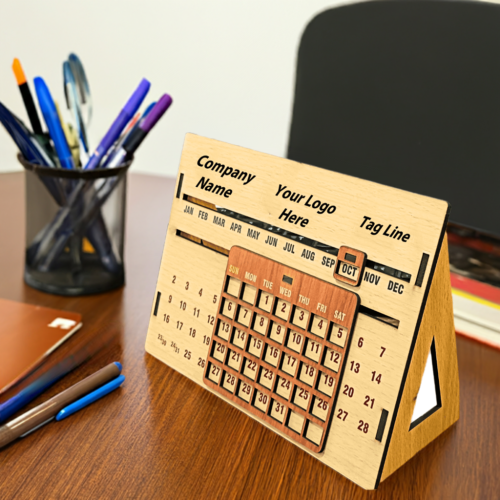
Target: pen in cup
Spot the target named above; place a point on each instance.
(51, 118)
(73, 104)
(130, 128)
(82, 84)
(27, 97)
(24, 140)
(119, 124)
(78, 238)
(71, 137)
(135, 138)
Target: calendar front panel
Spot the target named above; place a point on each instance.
(349, 237)
(279, 344)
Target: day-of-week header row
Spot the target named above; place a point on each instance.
(282, 289)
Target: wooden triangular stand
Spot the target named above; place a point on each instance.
(437, 323)
(243, 221)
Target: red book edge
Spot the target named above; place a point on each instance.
(481, 290)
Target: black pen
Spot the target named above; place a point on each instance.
(27, 97)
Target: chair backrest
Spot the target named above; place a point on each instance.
(406, 93)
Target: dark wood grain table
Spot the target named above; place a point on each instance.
(162, 436)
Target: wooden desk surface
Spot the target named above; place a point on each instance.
(162, 436)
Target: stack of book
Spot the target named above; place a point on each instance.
(475, 281)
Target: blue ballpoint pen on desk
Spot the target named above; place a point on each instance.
(128, 111)
(43, 377)
(64, 404)
(90, 398)
(51, 118)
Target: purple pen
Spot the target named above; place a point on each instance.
(133, 141)
(119, 124)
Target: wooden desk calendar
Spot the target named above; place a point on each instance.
(310, 300)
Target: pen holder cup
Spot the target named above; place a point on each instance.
(75, 226)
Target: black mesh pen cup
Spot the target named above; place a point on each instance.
(75, 228)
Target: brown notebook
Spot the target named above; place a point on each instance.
(28, 334)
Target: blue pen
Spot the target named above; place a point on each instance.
(114, 132)
(26, 143)
(42, 414)
(31, 150)
(90, 398)
(51, 118)
(143, 116)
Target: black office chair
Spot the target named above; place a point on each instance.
(406, 93)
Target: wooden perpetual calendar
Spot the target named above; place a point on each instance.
(315, 302)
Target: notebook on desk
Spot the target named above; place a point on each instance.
(28, 334)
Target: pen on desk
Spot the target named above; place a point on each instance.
(44, 413)
(27, 97)
(90, 398)
(135, 138)
(42, 378)
(119, 124)
(51, 118)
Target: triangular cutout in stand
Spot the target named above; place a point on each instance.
(429, 394)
